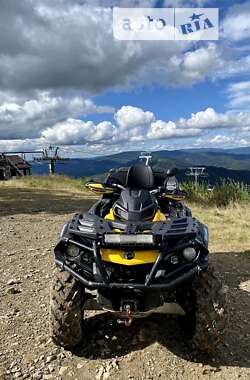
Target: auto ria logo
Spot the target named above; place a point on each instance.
(166, 23)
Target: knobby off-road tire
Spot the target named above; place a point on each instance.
(206, 310)
(66, 314)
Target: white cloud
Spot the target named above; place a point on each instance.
(236, 25)
(20, 145)
(198, 63)
(130, 117)
(222, 141)
(239, 94)
(132, 124)
(164, 130)
(44, 47)
(26, 119)
(210, 119)
(78, 132)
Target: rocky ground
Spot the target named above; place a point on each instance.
(152, 348)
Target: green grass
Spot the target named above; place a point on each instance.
(224, 194)
(55, 182)
(228, 226)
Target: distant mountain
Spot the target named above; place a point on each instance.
(228, 163)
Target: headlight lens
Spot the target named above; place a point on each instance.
(189, 253)
(73, 250)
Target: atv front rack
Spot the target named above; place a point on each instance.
(94, 228)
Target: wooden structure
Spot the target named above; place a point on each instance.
(13, 166)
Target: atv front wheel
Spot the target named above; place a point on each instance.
(206, 311)
(66, 314)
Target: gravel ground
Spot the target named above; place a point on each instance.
(152, 348)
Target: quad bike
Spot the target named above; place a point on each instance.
(138, 248)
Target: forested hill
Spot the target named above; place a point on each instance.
(231, 163)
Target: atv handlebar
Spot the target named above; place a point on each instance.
(118, 186)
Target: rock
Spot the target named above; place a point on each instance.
(14, 281)
(61, 355)
(51, 368)
(13, 290)
(205, 371)
(41, 339)
(62, 371)
(79, 365)
(15, 368)
(14, 311)
(17, 375)
(37, 375)
(106, 375)
(100, 373)
(115, 363)
(50, 358)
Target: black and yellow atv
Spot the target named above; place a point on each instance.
(139, 248)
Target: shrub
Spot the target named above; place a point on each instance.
(197, 193)
(229, 191)
(224, 193)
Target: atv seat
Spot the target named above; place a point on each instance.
(140, 177)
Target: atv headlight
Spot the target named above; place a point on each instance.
(73, 250)
(189, 253)
(143, 239)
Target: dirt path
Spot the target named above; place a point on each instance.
(153, 348)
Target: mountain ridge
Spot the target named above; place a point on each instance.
(226, 163)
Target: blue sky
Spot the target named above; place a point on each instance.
(65, 80)
(171, 103)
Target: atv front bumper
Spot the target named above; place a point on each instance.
(98, 280)
(89, 235)
(171, 284)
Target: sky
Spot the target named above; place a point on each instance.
(65, 80)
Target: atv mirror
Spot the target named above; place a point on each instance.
(172, 172)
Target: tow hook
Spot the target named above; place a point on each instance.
(129, 319)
